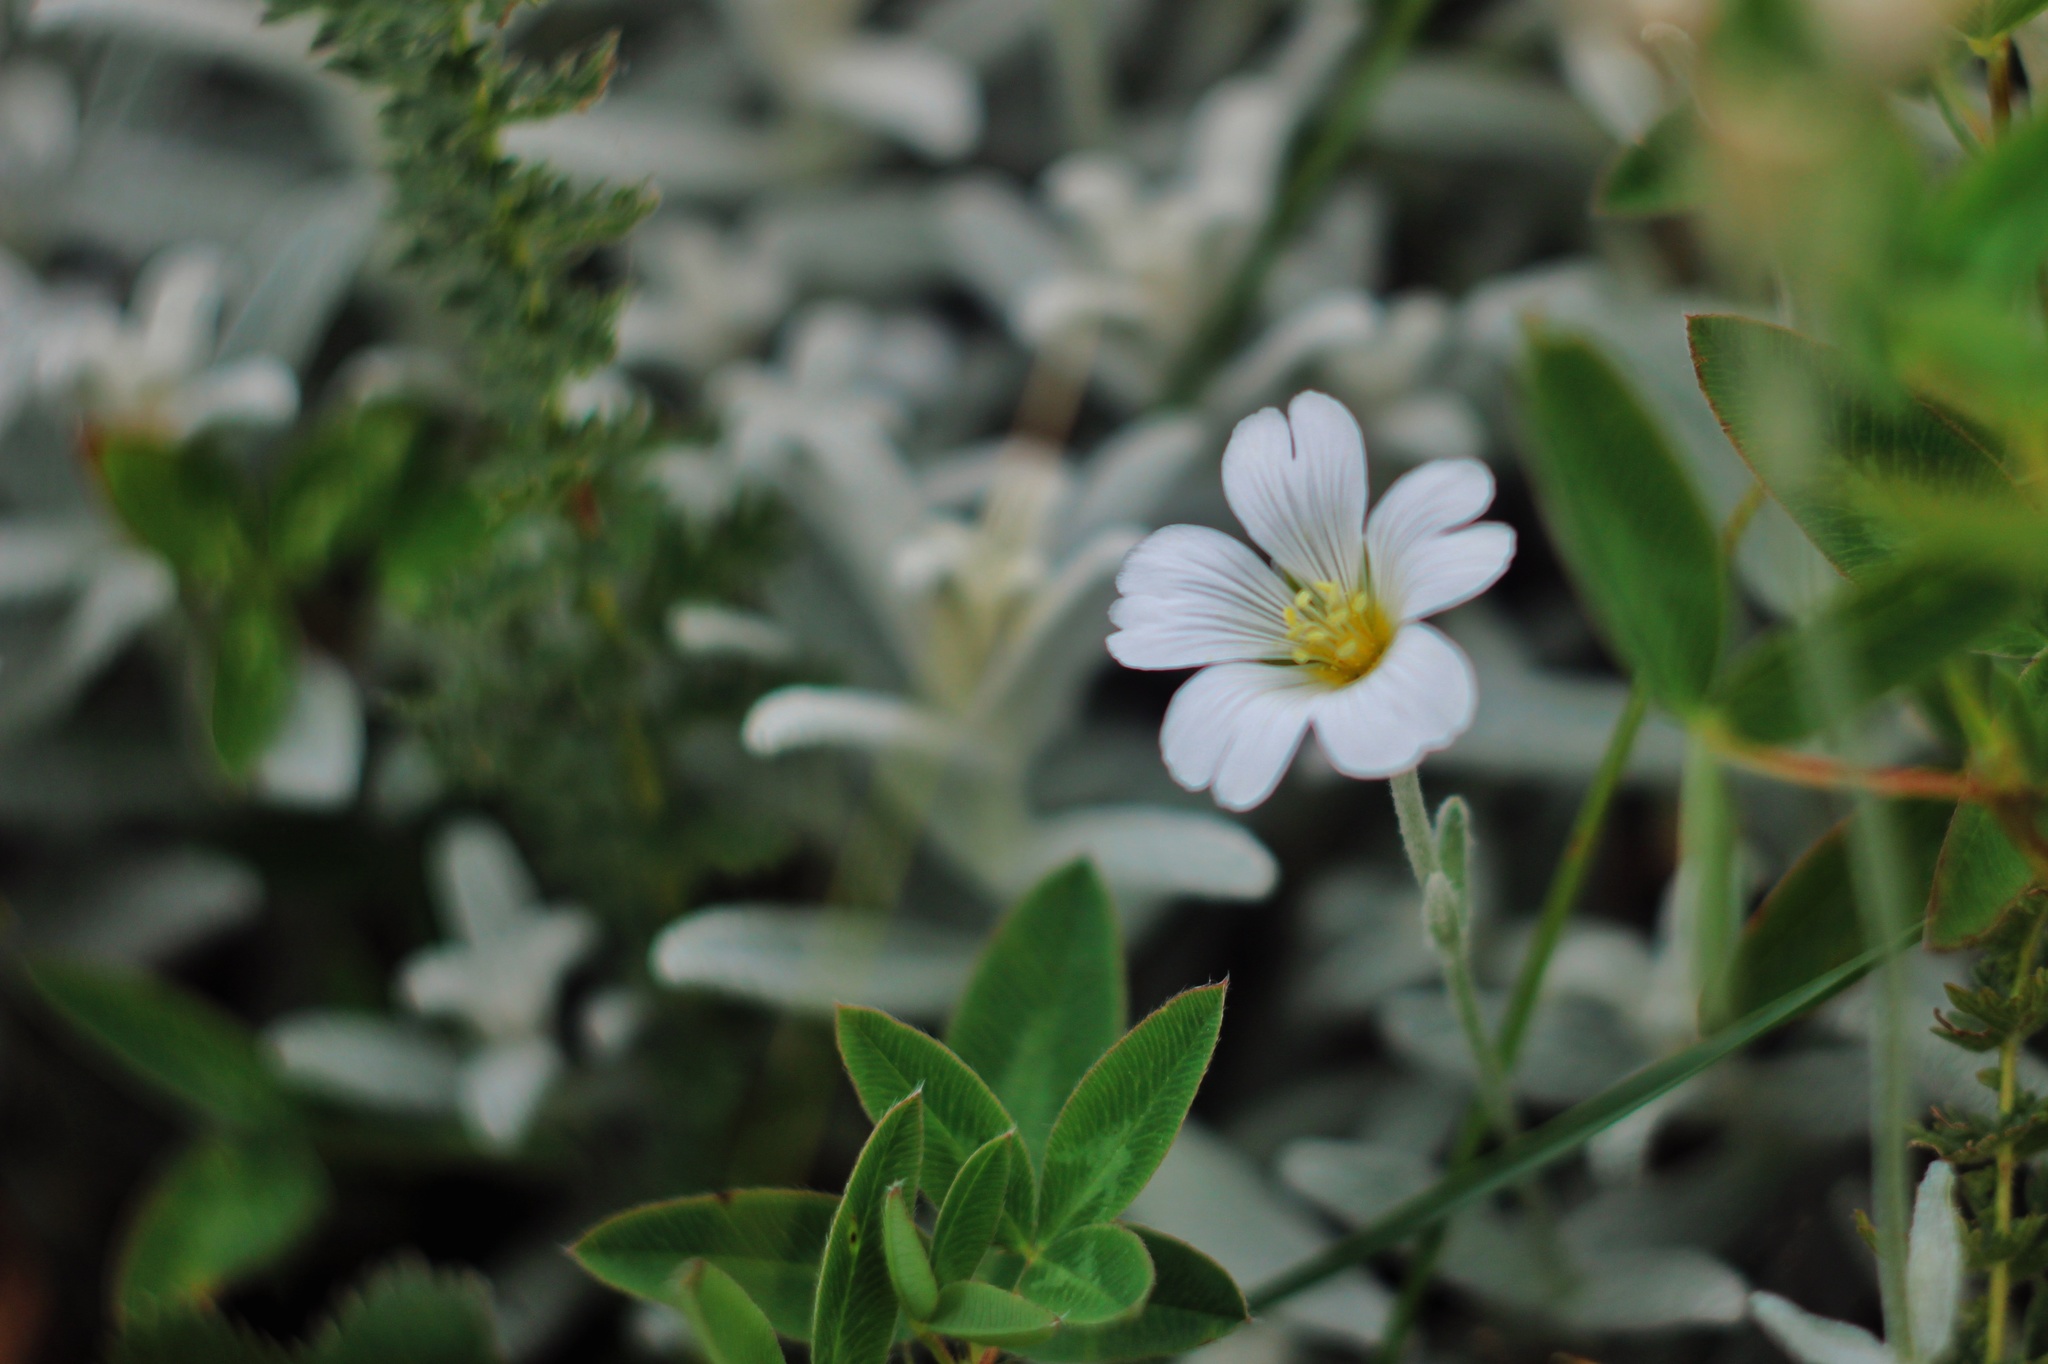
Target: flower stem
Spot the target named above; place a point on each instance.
(1998, 76)
(1416, 838)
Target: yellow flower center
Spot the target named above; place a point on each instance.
(1340, 635)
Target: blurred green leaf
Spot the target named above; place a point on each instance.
(1979, 877)
(179, 1043)
(1626, 519)
(1047, 999)
(1657, 176)
(1815, 436)
(337, 487)
(1990, 19)
(888, 1060)
(408, 1313)
(854, 1320)
(1193, 1302)
(974, 1205)
(1089, 1275)
(1809, 924)
(184, 502)
(769, 1240)
(910, 1269)
(1889, 628)
(729, 1328)
(427, 540)
(255, 667)
(230, 1204)
(983, 1314)
(1126, 1111)
(1972, 351)
(190, 1333)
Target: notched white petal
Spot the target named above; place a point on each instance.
(1442, 571)
(1298, 485)
(1192, 596)
(1234, 728)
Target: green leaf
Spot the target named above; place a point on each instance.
(427, 541)
(983, 1314)
(730, 1329)
(1990, 19)
(1514, 1161)
(973, 1207)
(1193, 1302)
(255, 666)
(1815, 436)
(1657, 176)
(412, 1314)
(1125, 1113)
(1046, 1001)
(769, 1240)
(855, 1317)
(888, 1061)
(337, 487)
(1626, 519)
(1809, 924)
(1089, 1274)
(184, 502)
(190, 1333)
(229, 1205)
(1979, 876)
(1888, 630)
(910, 1270)
(176, 1041)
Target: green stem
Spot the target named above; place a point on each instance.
(1566, 881)
(1337, 129)
(1494, 1097)
(1417, 838)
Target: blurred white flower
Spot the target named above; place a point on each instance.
(316, 760)
(1934, 1293)
(155, 370)
(1329, 635)
(703, 297)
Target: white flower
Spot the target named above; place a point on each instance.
(1331, 634)
(1934, 1293)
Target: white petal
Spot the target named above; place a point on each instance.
(366, 1059)
(1298, 485)
(503, 1086)
(177, 301)
(1421, 697)
(316, 760)
(707, 631)
(812, 959)
(260, 390)
(1815, 1340)
(1422, 504)
(791, 718)
(1440, 572)
(1143, 850)
(480, 882)
(907, 90)
(1193, 596)
(1235, 727)
(1934, 1263)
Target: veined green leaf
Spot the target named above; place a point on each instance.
(1809, 923)
(769, 1240)
(1657, 176)
(255, 664)
(1193, 1302)
(1979, 876)
(974, 1205)
(983, 1314)
(1089, 1275)
(177, 1042)
(888, 1060)
(730, 1328)
(855, 1316)
(909, 1268)
(1626, 518)
(1125, 1113)
(1046, 1001)
(413, 1313)
(228, 1205)
(1894, 626)
(1815, 436)
(1516, 1160)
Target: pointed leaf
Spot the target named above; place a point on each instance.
(410, 1312)
(855, 1316)
(1193, 1302)
(176, 1041)
(1124, 1114)
(1626, 518)
(1046, 1001)
(337, 487)
(228, 1206)
(888, 1061)
(187, 504)
(1814, 435)
(769, 1240)
(973, 1207)
(1894, 626)
(255, 665)
(1090, 1275)
(190, 1333)
(1657, 176)
(983, 1314)
(1979, 877)
(909, 1268)
(730, 1329)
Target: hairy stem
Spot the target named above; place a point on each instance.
(1417, 840)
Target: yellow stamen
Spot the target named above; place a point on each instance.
(1340, 635)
